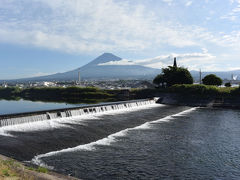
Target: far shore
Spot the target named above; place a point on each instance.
(180, 94)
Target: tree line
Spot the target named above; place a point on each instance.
(180, 75)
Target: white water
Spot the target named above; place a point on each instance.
(108, 140)
(73, 113)
(62, 122)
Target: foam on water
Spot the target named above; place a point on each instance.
(125, 105)
(38, 126)
(64, 122)
(107, 140)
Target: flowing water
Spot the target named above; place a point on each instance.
(146, 142)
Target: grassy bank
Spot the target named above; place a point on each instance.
(7, 169)
(58, 94)
(189, 90)
(204, 90)
(11, 169)
(14, 170)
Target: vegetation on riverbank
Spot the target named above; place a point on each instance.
(203, 90)
(173, 75)
(188, 90)
(59, 94)
(10, 169)
(94, 95)
(13, 170)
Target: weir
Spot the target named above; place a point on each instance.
(20, 118)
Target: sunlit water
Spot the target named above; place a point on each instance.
(10, 107)
(154, 142)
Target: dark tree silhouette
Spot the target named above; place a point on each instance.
(228, 84)
(212, 79)
(173, 75)
(175, 62)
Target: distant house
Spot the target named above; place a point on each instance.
(47, 84)
(4, 85)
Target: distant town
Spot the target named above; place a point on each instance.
(110, 77)
(110, 84)
(101, 84)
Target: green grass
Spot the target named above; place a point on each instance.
(42, 170)
(7, 168)
(5, 172)
(11, 169)
(39, 169)
(203, 90)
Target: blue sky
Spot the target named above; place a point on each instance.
(39, 37)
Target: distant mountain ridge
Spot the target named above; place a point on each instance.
(94, 71)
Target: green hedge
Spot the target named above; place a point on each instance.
(206, 90)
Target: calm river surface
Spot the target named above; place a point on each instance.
(9, 107)
(154, 142)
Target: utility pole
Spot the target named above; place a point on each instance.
(200, 77)
(79, 78)
(175, 62)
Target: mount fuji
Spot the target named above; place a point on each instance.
(94, 71)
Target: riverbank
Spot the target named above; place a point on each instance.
(195, 95)
(14, 170)
(184, 94)
(196, 101)
(73, 95)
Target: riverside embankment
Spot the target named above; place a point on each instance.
(196, 101)
(195, 95)
(15, 170)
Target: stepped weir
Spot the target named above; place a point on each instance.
(20, 118)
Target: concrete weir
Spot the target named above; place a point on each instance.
(20, 118)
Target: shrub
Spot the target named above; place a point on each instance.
(195, 89)
(228, 84)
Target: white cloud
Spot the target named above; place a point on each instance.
(193, 61)
(169, 2)
(232, 1)
(86, 26)
(94, 26)
(40, 74)
(205, 50)
(235, 12)
(188, 3)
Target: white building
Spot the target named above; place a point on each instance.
(47, 84)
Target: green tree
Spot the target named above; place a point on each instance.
(212, 79)
(173, 75)
(159, 80)
(228, 84)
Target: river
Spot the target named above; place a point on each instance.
(151, 142)
(21, 106)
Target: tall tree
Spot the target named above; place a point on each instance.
(212, 79)
(174, 75)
